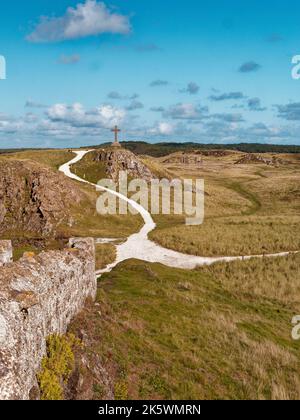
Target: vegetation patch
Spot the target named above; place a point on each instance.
(57, 366)
(219, 332)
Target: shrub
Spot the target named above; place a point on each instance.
(57, 365)
(121, 391)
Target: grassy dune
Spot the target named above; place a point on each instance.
(220, 332)
(49, 158)
(249, 209)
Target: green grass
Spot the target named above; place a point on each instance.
(221, 332)
(89, 169)
(105, 255)
(248, 195)
(85, 219)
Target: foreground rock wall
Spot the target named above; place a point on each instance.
(39, 295)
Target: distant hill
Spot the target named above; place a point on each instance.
(164, 149)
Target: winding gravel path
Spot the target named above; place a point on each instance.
(138, 245)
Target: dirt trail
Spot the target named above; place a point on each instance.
(139, 246)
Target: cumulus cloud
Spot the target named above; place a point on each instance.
(163, 128)
(290, 112)
(69, 59)
(186, 112)
(227, 96)
(227, 117)
(254, 104)
(159, 82)
(33, 104)
(118, 96)
(134, 105)
(249, 67)
(73, 124)
(104, 116)
(192, 88)
(85, 19)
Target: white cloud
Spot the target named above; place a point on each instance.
(186, 111)
(163, 128)
(86, 19)
(105, 116)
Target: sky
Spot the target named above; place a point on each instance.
(171, 71)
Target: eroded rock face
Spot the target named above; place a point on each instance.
(194, 157)
(6, 252)
(39, 295)
(185, 159)
(117, 160)
(253, 158)
(33, 198)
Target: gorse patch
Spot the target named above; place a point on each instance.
(57, 366)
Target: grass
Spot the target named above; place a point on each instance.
(249, 210)
(90, 170)
(85, 219)
(234, 236)
(245, 209)
(220, 332)
(49, 158)
(105, 255)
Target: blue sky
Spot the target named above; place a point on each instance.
(169, 70)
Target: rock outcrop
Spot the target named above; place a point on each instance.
(6, 252)
(116, 160)
(253, 158)
(194, 157)
(184, 159)
(34, 198)
(39, 295)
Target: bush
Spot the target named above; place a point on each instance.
(121, 391)
(57, 365)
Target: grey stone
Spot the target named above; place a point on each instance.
(39, 296)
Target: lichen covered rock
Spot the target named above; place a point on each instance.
(39, 295)
(116, 160)
(33, 198)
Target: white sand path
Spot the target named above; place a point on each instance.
(139, 246)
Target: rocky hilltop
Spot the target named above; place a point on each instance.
(116, 160)
(34, 198)
(252, 158)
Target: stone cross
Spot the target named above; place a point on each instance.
(116, 130)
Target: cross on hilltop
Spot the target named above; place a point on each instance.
(116, 130)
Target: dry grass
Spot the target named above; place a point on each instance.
(234, 236)
(86, 220)
(105, 255)
(249, 209)
(49, 158)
